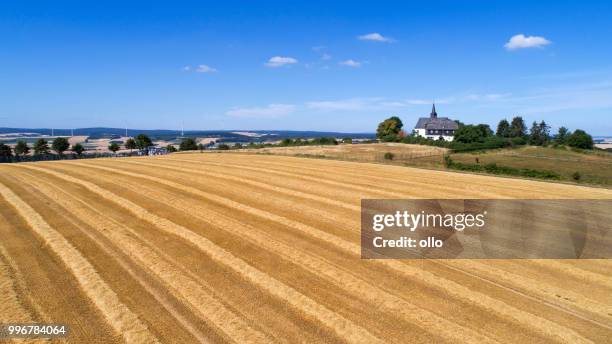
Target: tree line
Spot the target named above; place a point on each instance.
(41, 147)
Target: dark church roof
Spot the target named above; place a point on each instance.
(434, 122)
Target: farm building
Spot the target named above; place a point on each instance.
(434, 127)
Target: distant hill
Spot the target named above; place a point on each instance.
(223, 135)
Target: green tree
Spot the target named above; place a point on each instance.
(60, 145)
(389, 129)
(580, 139)
(223, 146)
(171, 148)
(114, 147)
(485, 130)
(130, 144)
(562, 135)
(517, 127)
(473, 133)
(41, 147)
(201, 147)
(347, 140)
(544, 132)
(237, 145)
(21, 148)
(78, 148)
(5, 151)
(503, 129)
(539, 133)
(187, 144)
(143, 141)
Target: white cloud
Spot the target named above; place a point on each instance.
(350, 63)
(418, 101)
(187, 68)
(279, 61)
(205, 69)
(375, 36)
(270, 111)
(521, 41)
(345, 104)
(326, 57)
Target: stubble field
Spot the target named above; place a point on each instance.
(255, 248)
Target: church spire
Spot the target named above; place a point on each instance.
(433, 114)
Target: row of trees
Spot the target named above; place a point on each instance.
(41, 147)
(61, 145)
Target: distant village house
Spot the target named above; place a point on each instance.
(434, 127)
(152, 150)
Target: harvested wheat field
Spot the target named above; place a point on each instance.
(255, 248)
(372, 152)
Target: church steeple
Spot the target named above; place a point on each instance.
(433, 114)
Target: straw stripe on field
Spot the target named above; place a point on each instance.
(438, 326)
(188, 289)
(118, 315)
(529, 320)
(344, 328)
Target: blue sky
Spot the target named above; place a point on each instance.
(341, 66)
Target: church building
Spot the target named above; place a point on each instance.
(434, 127)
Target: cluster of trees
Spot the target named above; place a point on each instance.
(539, 134)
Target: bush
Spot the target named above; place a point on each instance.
(347, 140)
(324, 141)
(518, 141)
(580, 139)
(505, 170)
(490, 143)
(223, 146)
(388, 156)
(299, 142)
(576, 176)
(171, 148)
